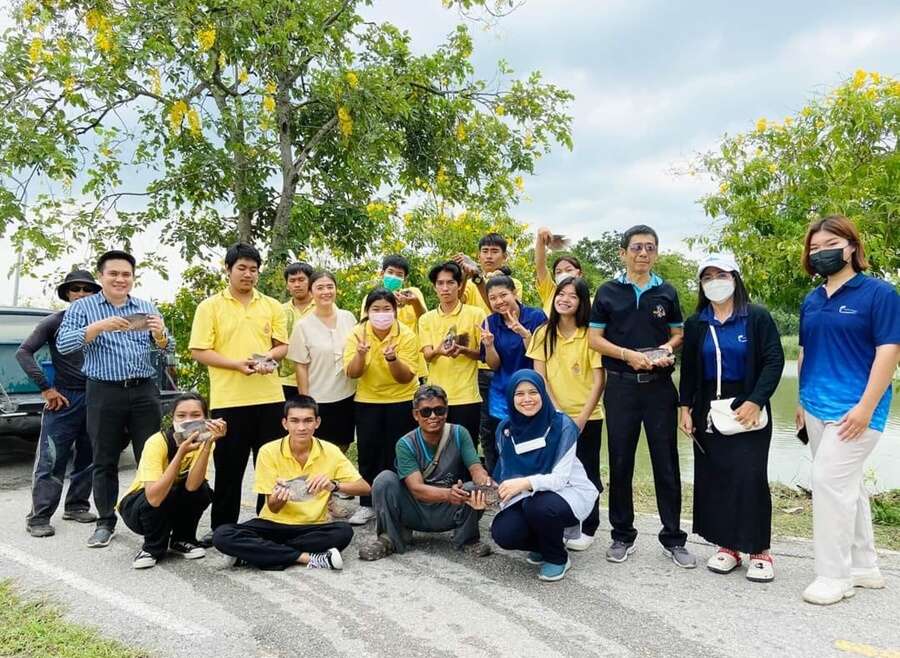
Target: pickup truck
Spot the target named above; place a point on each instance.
(21, 403)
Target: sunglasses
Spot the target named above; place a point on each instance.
(425, 412)
(79, 288)
(637, 247)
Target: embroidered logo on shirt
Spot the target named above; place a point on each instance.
(659, 311)
(267, 328)
(742, 338)
(576, 368)
(846, 310)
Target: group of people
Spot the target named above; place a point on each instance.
(296, 383)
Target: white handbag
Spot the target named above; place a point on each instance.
(721, 415)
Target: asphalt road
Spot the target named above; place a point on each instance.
(436, 602)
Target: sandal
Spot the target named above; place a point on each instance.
(760, 569)
(724, 561)
(378, 548)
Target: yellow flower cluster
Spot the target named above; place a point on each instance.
(352, 79)
(222, 61)
(155, 81)
(761, 125)
(271, 88)
(519, 182)
(28, 10)
(193, 117)
(461, 132)
(345, 122)
(528, 140)
(36, 50)
(69, 84)
(268, 103)
(99, 24)
(176, 115)
(206, 38)
(242, 76)
(441, 177)
(500, 110)
(859, 79)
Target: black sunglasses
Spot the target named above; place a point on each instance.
(426, 412)
(79, 288)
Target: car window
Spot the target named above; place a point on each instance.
(13, 330)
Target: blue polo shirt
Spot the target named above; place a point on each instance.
(839, 336)
(733, 343)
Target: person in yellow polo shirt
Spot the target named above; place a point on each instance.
(297, 475)
(297, 280)
(450, 339)
(170, 491)
(564, 266)
(383, 355)
(229, 329)
(575, 380)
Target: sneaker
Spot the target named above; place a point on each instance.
(680, 556)
(619, 551)
(867, 578)
(187, 550)
(79, 516)
(362, 516)
(206, 541)
(233, 562)
(580, 543)
(143, 560)
(101, 538)
(724, 561)
(376, 549)
(825, 591)
(534, 558)
(761, 568)
(552, 572)
(330, 559)
(477, 548)
(44, 530)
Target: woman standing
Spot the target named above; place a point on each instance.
(731, 350)
(563, 267)
(850, 346)
(317, 349)
(383, 354)
(544, 491)
(575, 381)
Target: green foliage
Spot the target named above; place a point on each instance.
(681, 272)
(599, 258)
(788, 322)
(837, 155)
(886, 508)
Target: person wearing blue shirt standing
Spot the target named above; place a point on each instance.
(850, 347)
(504, 342)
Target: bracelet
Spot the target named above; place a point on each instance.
(390, 360)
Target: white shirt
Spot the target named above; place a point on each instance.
(322, 349)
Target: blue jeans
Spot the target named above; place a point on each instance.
(62, 433)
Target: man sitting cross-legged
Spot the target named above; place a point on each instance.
(426, 493)
(297, 474)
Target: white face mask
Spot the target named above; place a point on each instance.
(718, 291)
(562, 276)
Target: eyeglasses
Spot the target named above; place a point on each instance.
(637, 247)
(77, 288)
(721, 276)
(426, 412)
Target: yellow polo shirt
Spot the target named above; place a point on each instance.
(570, 370)
(292, 316)
(276, 462)
(235, 331)
(155, 460)
(377, 384)
(459, 376)
(545, 289)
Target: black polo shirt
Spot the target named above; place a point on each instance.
(635, 318)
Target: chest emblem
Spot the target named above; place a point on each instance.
(659, 311)
(846, 310)
(267, 328)
(742, 338)
(576, 368)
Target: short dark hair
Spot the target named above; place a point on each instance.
(429, 392)
(191, 396)
(298, 268)
(115, 254)
(321, 274)
(565, 258)
(448, 266)
(301, 402)
(242, 250)
(842, 227)
(379, 293)
(493, 240)
(500, 281)
(740, 299)
(639, 229)
(395, 260)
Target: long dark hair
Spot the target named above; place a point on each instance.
(374, 296)
(741, 298)
(582, 314)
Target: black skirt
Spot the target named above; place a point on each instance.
(338, 422)
(732, 501)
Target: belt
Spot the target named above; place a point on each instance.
(639, 377)
(134, 382)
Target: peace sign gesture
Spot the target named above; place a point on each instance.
(362, 345)
(390, 352)
(513, 323)
(487, 338)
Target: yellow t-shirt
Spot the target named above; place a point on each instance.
(235, 331)
(377, 384)
(292, 316)
(459, 376)
(276, 462)
(155, 460)
(545, 289)
(570, 370)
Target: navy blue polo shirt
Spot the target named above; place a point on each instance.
(733, 344)
(839, 336)
(634, 317)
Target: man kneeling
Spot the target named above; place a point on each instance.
(426, 493)
(297, 475)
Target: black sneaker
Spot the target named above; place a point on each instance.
(79, 516)
(44, 530)
(330, 559)
(143, 560)
(187, 550)
(101, 538)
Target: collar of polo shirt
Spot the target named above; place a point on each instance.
(227, 295)
(315, 450)
(456, 311)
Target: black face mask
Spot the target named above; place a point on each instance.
(828, 261)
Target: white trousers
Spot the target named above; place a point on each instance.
(842, 521)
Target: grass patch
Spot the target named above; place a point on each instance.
(35, 629)
(791, 346)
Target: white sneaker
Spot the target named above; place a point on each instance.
(867, 578)
(580, 543)
(825, 591)
(362, 516)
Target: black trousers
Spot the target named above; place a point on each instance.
(175, 519)
(655, 405)
(378, 428)
(535, 523)
(275, 546)
(467, 415)
(115, 416)
(249, 428)
(588, 452)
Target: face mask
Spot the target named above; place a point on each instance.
(382, 320)
(562, 276)
(718, 291)
(392, 283)
(828, 261)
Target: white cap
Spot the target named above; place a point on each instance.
(724, 262)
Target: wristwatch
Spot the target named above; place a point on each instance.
(478, 279)
(336, 485)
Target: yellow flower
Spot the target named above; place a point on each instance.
(772, 168)
(193, 117)
(461, 132)
(36, 50)
(441, 176)
(28, 10)
(859, 79)
(206, 38)
(104, 40)
(271, 88)
(222, 61)
(345, 122)
(876, 77)
(69, 84)
(352, 80)
(242, 76)
(93, 19)
(500, 110)
(176, 115)
(268, 103)
(723, 188)
(806, 111)
(529, 140)
(519, 182)
(895, 89)
(155, 82)
(761, 125)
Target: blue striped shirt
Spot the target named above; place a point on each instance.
(112, 355)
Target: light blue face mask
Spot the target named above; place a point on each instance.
(393, 283)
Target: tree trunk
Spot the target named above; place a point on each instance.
(236, 135)
(278, 245)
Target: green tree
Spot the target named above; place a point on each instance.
(839, 154)
(273, 121)
(599, 258)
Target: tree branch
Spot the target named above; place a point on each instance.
(311, 144)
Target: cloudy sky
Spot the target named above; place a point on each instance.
(655, 83)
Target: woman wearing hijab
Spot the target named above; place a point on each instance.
(545, 493)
